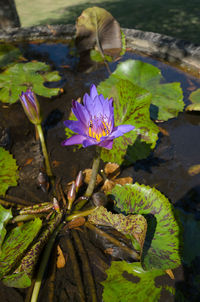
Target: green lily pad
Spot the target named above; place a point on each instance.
(8, 54)
(22, 275)
(131, 106)
(5, 216)
(195, 99)
(129, 282)
(8, 171)
(134, 226)
(167, 99)
(21, 76)
(161, 246)
(16, 243)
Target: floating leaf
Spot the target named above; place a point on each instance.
(5, 216)
(161, 247)
(131, 106)
(8, 171)
(97, 28)
(8, 54)
(21, 76)
(195, 99)
(16, 243)
(167, 99)
(132, 225)
(129, 282)
(22, 275)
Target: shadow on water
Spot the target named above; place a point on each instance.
(187, 215)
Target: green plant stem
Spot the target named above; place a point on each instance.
(43, 263)
(80, 214)
(27, 217)
(44, 150)
(86, 267)
(10, 204)
(95, 168)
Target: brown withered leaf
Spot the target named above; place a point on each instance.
(109, 184)
(112, 170)
(60, 258)
(87, 175)
(28, 162)
(163, 131)
(109, 251)
(132, 225)
(194, 170)
(77, 222)
(97, 28)
(56, 163)
(170, 273)
(123, 180)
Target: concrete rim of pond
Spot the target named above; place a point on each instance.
(169, 49)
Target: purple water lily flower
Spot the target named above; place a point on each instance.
(31, 106)
(95, 122)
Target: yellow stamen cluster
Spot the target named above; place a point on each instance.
(104, 131)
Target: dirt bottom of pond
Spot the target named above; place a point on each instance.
(166, 169)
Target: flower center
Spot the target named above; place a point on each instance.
(98, 128)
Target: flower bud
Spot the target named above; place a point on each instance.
(79, 181)
(31, 106)
(71, 195)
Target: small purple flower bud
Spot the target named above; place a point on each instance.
(71, 195)
(79, 181)
(31, 106)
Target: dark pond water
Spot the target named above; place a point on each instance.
(166, 168)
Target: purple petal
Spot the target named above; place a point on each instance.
(97, 109)
(105, 105)
(93, 91)
(89, 142)
(74, 140)
(106, 144)
(81, 113)
(111, 115)
(88, 102)
(76, 126)
(120, 130)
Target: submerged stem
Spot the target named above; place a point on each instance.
(44, 150)
(86, 267)
(76, 270)
(95, 168)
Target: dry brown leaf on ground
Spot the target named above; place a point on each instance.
(112, 170)
(194, 170)
(61, 258)
(170, 274)
(87, 175)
